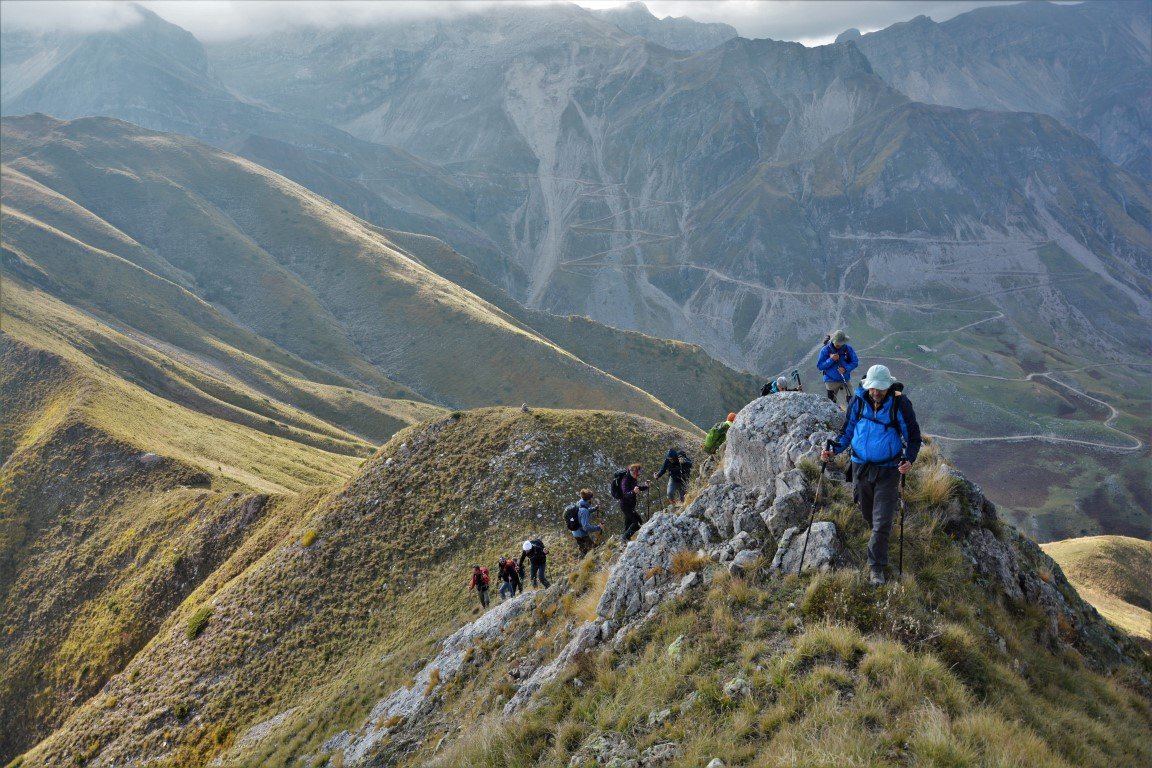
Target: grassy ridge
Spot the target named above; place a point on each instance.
(240, 246)
(385, 560)
(699, 387)
(1111, 572)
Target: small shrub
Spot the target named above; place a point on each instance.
(844, 598)
(687, 561)
(309, 537)
(181, 710)
(198, 622)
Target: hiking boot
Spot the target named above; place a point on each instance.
(877, 578)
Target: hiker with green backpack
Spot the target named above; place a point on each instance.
(717, 435)
(578, 518)
(881, 431)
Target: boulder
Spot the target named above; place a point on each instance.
(659, 754)
(791, 504)
(744, 561)
(825, 549)
(606, 749)
(772, 433)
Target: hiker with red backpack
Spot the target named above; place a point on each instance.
(881, 431)
(480, 584)
(509, 574)
(625, 484)
(578, 518)
(534, 551)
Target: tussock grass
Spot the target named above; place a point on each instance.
(931, 486)
(688, 561)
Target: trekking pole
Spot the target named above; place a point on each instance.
(900, 566)
(812, 514)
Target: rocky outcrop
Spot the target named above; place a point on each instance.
(416, 700)
(771, 434)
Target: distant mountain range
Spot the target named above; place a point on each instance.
(746, 196)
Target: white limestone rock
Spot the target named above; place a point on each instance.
(825, 550)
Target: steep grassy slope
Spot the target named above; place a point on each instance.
(355, 590)
(696, 385)
(193, 225)
(131, 469)
(1112, 573)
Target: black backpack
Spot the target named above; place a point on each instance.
(615, 489)
(572, 517)
(685, 465)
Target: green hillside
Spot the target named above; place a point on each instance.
(374, 571)
(1112, 573)
(688, 379)
(103, 214)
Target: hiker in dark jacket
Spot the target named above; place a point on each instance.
(837, 361)
(480, 584)
(510, 582)
(583, 534)
(629, 485)
(880, 428)
(679, 467)
(534, 551)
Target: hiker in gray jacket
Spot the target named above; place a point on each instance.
(583, 534)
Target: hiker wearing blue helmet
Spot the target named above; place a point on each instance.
(881, 431)
(837, 361)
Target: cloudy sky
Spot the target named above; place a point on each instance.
(805, 21)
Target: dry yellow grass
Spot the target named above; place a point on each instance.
(1110, 572)
(585, 607)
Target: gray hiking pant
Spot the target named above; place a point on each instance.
(878, 492)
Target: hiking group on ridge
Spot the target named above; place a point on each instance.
(880, 433)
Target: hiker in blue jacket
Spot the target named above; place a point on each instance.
(837, 361)
(583, 534)
(881, 430)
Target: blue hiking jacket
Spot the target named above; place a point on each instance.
(586, 526)
(870, 434)
(848, 359)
